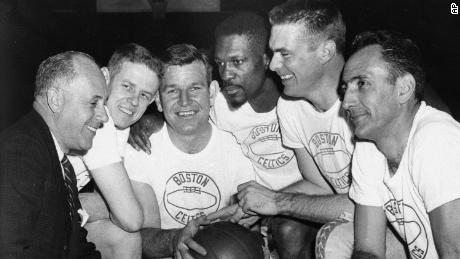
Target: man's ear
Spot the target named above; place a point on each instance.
(158, 101)
(266, 61)
(327, 50)
(55, 98)
(106, 73)
(213, 89)
(406, 87)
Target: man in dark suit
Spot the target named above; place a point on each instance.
(39, 207)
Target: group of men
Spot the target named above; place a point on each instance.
(345, 159)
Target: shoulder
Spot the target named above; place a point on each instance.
(433, 126)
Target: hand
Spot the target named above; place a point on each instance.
(183, 241)
(257, 199)
(141, 131)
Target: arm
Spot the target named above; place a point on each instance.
(370, 232)
(316, 202)
(141, 131)
(313, 182)
(445, 226)
(114, 185)
(157, 242)
(20, 200)
(94, 205)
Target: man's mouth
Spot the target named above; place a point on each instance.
(93, 129)
(355, 117)
(125, 110)
(286, 77)
(186, 113)
(231, 89)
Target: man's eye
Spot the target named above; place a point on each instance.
(146, 96)
(219, 63)
(284, 54)
(361, 83)
(343, 87)
(172, 91)
(237, 62)
(93, 104)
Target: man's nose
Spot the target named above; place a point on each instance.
(275, 62)
(227, 72)
(184, 98)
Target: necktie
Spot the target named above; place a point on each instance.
(70, 182)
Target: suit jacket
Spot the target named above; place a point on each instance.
(34, 213)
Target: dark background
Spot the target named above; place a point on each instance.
(32, 30)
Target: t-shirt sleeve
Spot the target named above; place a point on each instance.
(287, 124)
(135, 165)
(368, 168)
(436, 164)
(241, 169)
(104, 150)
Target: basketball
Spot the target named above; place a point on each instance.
(226, 240)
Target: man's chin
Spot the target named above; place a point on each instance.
(235, 102)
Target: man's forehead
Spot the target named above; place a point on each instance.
(363, 61)
(283, 34)
(232, 44)
(196, 70)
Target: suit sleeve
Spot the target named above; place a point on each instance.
(21, 190)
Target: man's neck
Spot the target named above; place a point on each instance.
(191, 144)
(325, 93)
(46, 115)
(393, 140)
(268, 97)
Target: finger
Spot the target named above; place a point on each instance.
(249, 221)
(238, 215)
(241, 195)
(196, 247)
(146, 140)
(177, 255)
(203, 220)
(244, 185)
(223, 213)
(133, 143)
(140, 142)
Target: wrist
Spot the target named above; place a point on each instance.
(283, 203)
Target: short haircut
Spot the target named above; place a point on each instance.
(60, 67)
(321, 18)
(400, 53)
(134, 53)
(185, 54)
(248, 24)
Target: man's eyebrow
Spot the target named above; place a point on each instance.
(279, 50)
(354, 78)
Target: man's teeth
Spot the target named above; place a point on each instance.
(187, 113)
(286, 77)
(91, 128)
(126, 111)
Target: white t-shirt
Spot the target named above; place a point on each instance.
(109, 144)
(326, 136)
(259, 137)
(427, 177)
(190, 185)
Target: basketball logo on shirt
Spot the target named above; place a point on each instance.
(189, 195)
(333, 159)
(405, 219)
(263, 146)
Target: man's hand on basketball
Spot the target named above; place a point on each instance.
(183, 241)
(140, 132)
(257, 199)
